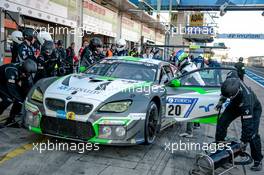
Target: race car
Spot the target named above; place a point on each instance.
(121, 101)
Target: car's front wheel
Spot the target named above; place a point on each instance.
(152, 123)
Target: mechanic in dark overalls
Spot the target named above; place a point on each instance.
(240, 66)
(92, 53)
(25, 49)
(15, 82)
(244, 104)
(44, 61)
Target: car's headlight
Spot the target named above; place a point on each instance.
(120, 106)
(37, 95)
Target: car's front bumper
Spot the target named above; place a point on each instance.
(133, 125)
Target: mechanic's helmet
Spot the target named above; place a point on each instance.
(121, 45)
(17, 37)
(29, 66)
(47, 48)
(181, 58)
(230, 88)
(44, 36)
(240, 59)
(95, 43)
(59, 42)
(29, 34)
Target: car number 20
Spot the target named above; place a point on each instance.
(174, 110)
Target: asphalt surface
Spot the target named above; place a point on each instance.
(18, 156)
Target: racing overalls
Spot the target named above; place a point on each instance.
(247, 106)
(56, 62)
(199, 62)
(89, 57)
(43, 63)
(13, 89)
(185, 68)
(25, 51)
(188, 67)
(240, 69)
(122, 53)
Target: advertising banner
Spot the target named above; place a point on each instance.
(130, 30)
(149, 34)
(241, 36)
(174, 18)
(99, 19)
(58, 11)
(197, 19)
(160, 38)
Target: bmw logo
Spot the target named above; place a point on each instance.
(68, 98)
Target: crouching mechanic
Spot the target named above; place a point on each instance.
(15, 82)
(184, 66)
(244, 104)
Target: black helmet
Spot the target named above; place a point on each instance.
(59, 42)
(240, 59)
(29, 34)
(47, 48)
(95, 43)
(230, 88)
(29, 66)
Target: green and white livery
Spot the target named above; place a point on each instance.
(122, 101)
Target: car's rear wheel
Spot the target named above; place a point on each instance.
(152, 123)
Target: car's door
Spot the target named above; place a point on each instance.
(194, 95)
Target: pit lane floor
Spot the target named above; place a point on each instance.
(17, 156)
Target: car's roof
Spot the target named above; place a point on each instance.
(138, 59)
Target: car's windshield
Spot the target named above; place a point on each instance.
(125, 70)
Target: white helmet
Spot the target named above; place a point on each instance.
(44, 36)
(121, 45)
(17, 37)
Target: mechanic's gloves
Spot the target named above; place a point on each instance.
(218, 106)
(221, 101)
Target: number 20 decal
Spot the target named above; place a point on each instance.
(174, 110)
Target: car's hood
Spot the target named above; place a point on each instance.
(89, 87)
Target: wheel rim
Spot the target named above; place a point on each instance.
(152, 124)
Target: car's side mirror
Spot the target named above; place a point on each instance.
(175, 83)
(82, 69)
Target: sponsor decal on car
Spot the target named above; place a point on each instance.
(61, 114)
(180, 107)
(137, 116)
(68, 88)
(70, 115)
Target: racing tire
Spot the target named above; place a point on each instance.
(152, 123)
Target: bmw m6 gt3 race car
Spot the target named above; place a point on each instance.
(122, 100)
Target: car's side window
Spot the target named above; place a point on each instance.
(204, 77)
(166, 74)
